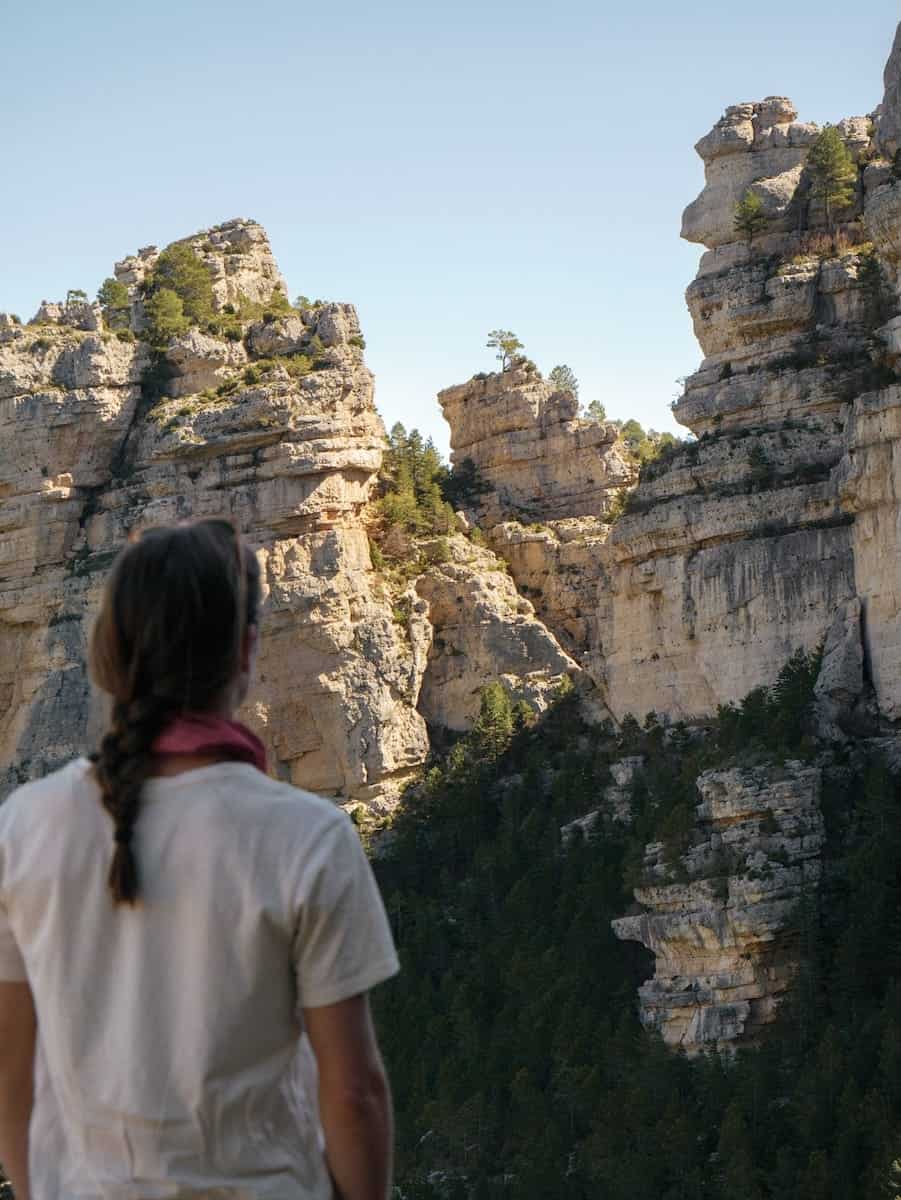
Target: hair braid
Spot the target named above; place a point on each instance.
(123, 762)
(168, 639)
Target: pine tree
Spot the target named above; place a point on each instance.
(494, 726)
(564, 379)
(113, 299)
(749, 218)
(507, 345)
(166, 316)
(180, 270)
(834, 173)
(595, 411)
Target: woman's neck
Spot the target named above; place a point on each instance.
(177, 764)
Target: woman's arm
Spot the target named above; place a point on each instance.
(18, 1029)
(354, 1098)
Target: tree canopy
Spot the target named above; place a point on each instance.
(507, 344)
(749, 218)
(519, 1067)
(564, 378)
(833, 171)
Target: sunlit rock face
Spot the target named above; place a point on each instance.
(527, 441)
(779, 528)
(88, 455)
(739, 549)
(273, 424)
(721, 918)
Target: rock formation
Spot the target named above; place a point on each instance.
(738, 547)
(721, 919)
(527, 442)
(551, 480)
(270, 421)
(774, 528)
(777, 528)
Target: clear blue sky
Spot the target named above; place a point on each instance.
(449, 168)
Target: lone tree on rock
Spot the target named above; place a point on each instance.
(595, 411)
(749, 219)
(834, 173)
(507, 345)
(564, 379)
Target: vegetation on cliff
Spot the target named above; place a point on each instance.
(519, 1065)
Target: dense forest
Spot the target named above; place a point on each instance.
(519, 1066)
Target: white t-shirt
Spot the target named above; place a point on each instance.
(171, 1032)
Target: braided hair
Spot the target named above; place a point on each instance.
(168, 639)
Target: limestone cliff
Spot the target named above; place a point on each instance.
(720, 920)
(777, 528)
(264, 414)
(773, 528)
(738, 547)
(552, 480)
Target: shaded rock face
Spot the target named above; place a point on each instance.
(98, 438)
(719, 919)
(870, 487)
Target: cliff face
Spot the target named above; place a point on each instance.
(738, 549)
(720, 920)
(775, 528)
(778, 528)
(272, 423)
(551, 481)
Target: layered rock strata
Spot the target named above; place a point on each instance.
(550, 480)
(721, 918)
(738, 549)
(277, 429)
(484, 630)
(779, 527)
(528, 444)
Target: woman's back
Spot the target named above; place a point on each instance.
(170, 1028)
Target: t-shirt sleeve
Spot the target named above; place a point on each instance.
(343, 942)
(12, 965)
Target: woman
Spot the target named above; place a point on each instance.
(173, 920)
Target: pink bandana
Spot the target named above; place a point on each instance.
(199, 733)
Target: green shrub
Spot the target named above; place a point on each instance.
(411, 478)
(437, 552)
(179, 270)
(463, 484)
(166, 319)
(114, 300)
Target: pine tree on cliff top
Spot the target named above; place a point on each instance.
(507, 345)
